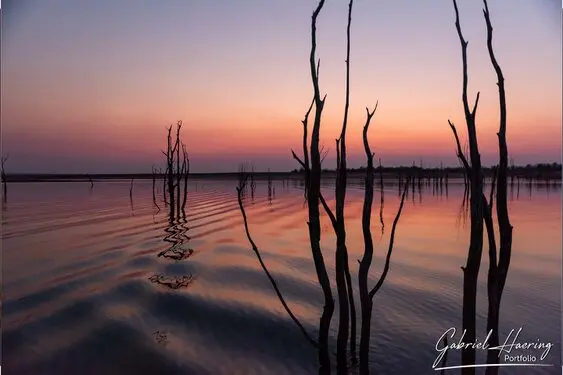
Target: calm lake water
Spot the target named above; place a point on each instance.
(79, 267)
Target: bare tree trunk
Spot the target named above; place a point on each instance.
(178, 172)
(365, 263)
(505, 228)
(471, 269)
(170, 172)
(240, 189)
(3, 175)
(186, 174)
(164, 185)
(343, 286)
(313, 198)
(153, 185)
(492, 277)
(382, 201)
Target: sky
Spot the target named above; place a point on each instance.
(90, 86)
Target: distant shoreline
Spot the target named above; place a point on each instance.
(549, 172)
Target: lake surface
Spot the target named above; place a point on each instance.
(84, 287)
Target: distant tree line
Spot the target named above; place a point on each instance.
(533, 171)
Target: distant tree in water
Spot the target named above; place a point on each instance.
(176, 174)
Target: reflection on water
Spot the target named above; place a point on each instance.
(91, 289)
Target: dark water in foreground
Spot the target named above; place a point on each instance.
(78, 296)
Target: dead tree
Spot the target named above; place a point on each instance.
(243, 177)
(170, 151)
(481, 211)
(252, 183)
(186, 172)
(176, 170)
(471, 269)
(269, 186)
(153, 170)
(347, 311)
(366, 295)
(305, 152)
(382, 201)
(311, 164)
(178, 173)
(3, 175)
(505, 227)
(313, 193)
(164, 181)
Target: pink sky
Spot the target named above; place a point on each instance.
(90, 88)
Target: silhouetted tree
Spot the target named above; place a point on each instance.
(481, 211)
(3, 175)
(241, 188)
(366, 295)
(505, 227)
(471, 269)
(176, 169)
(311, 166)
(185, 172)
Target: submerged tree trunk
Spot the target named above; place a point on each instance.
(186, 174)
(365, 263)
(313, 198)
(471, 269)
(3, 177)
(347, 318)
(505, 228)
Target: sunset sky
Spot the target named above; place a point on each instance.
(90, 86)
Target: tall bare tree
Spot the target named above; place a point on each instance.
(481, 212)
(367, 295)
(499, 270)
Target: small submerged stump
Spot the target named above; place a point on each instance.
(172, 282)
(160, 337)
